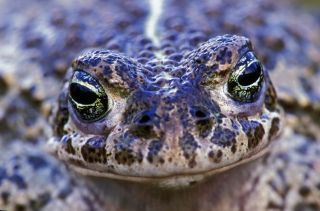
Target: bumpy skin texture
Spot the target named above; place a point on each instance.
(43, 42)
(178, 120)
(291, 181)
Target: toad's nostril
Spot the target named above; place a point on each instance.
(144, 119)
(199, 113)
(143, 125)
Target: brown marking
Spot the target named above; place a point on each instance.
(204, 127)
(67, 145)
(234, 148)
(128, 157)
(270, 100)
(254, 131)
(94, 150)
(274, 128)
(215, 157)
(154, 148)
(188, 146)
(304, 191)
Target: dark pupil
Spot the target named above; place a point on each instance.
(250, 74)
(82, 94)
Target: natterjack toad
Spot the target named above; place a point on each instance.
(165, 106)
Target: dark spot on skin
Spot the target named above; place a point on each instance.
(5, 197)
(214, 68)
(18, 180)
(66, 142)
(224, 56)
(3, 85)
(200, 114)
(154, 148)
(204, 122)
(144, 119)
(223, 137)
(204, 127)
(234, 148)
(144, 123)
(192, 183)
(192, 163)
(107, 71)
(254, 131)
(304, 191)
(215, 156)
(272, 205)
(161, 160)
(143, 131)
(33, 40)
(199, 60)
(188, 146)
(20, 207)
(33, 204)
(124, 153)
(274, 128)
(37, 162)
(270, 99)
(306, 206)
(138, 102)
(128, 157)
(94, 150)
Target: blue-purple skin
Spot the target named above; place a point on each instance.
(167, 121)
(164, 102)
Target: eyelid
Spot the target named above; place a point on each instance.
(86, 80)
(244, 61)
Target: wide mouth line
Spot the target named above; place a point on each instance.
(203, 174)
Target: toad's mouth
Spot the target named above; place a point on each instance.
(170, 181)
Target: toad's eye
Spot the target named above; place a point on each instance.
(87, 97)
(245, 81)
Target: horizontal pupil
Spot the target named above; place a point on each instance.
(250, 75)
(82, 94)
